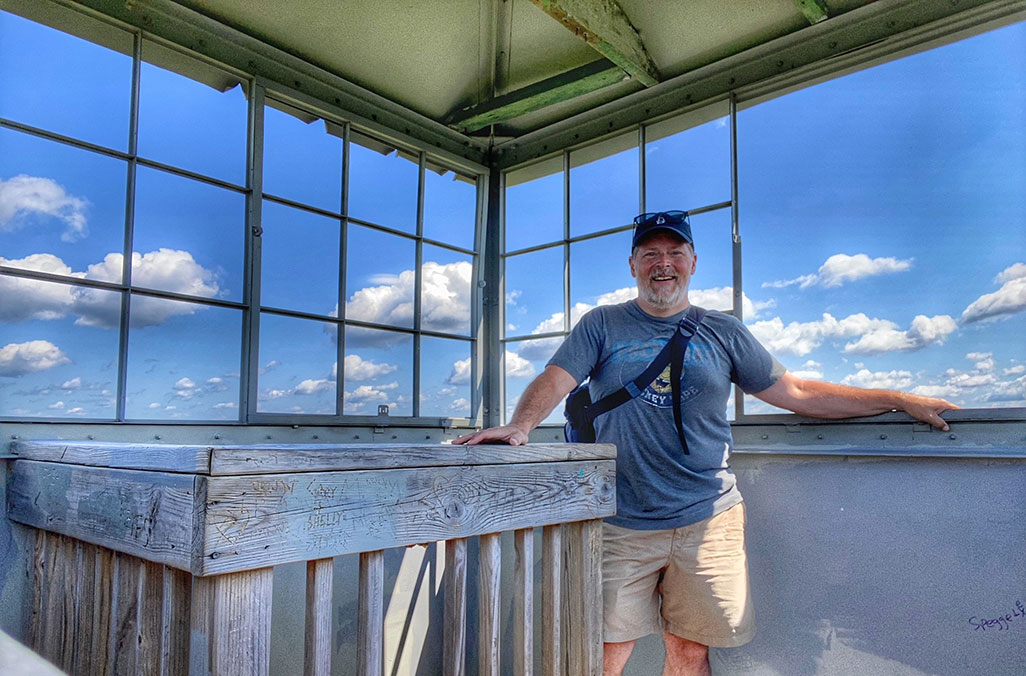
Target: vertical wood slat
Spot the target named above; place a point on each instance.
(584, 592)
(103, 612)
(201, 620)
(124, 627)
(317, 651)
(523, 602)
(87, 590)
(151, 617)
(176, 602)
(51, 618)
(552, 600)
(489, 578)
(454, 649)
(39, 597)
(370, 634)
(241, 628)
(68, 553)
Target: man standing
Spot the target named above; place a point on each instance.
(674, 554)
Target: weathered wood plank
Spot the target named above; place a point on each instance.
(68, 589)
(151, 617)
(370, 633)
(164, 457)
(55, 622)
(287, 458)
(103, 611)
(85, 627)
(454, 648)
(201, 619)
(488, 594)
(241, 644)
(523, 602)
(175, 614)
(259, 521)
(552, 600)
(317, 652)
(146, 514)
(585, 597)
(37, 628)
(125, 618)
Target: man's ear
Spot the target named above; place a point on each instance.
(630, 261)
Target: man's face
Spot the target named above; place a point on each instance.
(663, 265)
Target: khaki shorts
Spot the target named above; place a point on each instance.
(695, 577)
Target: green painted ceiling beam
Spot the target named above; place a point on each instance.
(814, 10)
(577, 82)
(604, 26)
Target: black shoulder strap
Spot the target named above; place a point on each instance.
(673, 354)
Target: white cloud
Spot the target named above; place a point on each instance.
(153, 405)
(517, 366)
(923, 332)
(460, 374)
(24, 196)
(1020, 368)
(56, 405)
(445, 303)
(357, 368)
(1008, 300)
(73, 384)
(460, 405)
(841, 268)
(942, 391)
(30, 299)
(17, 359)
(78, 410)
(226, 404)
(371, 393)
(887, 380)
(801, 338)
(309, 386)
(977, 356)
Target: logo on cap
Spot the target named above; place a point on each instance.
(661, 220)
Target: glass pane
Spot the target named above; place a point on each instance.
(689, 169)
(302, 162)
(379, 372)
(42, 69)
(903, 267)
(299, 260)
(54, 363)
(534, 292)
(62, 210)
(712, 285)
(445, 377)
(183, 361)
(604, 185)
(445, 294)
(191, 125)
(189, 236)
(383, 188)
(297, 365)
(534, 205)
(523, 360)
(379, 277)
(600, 273)
(450, 208)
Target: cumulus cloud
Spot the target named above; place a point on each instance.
(357, 368)
(17, 359)
(23, 197)
(165, 269)
(309, 386)
(887, 380)
(517, 366)
(923, 332)
(841, 268)
(461, 405)
(445, 304)
(460, 374)
(801, 338)
(1007, 300)
(73, 384)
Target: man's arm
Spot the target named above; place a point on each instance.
(828, 400)
(537, 401)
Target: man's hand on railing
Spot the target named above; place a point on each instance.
(504, 434)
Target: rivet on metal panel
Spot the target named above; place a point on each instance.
(765, 436)
(156, 436)
(883, 436)
(952, 437)
(819, 436)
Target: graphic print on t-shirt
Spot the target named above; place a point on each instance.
(659, 392)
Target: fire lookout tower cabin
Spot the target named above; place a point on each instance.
(262, 262)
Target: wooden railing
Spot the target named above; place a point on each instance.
(157, 559)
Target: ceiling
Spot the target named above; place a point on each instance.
(515, 79)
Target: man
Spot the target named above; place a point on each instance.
(674, 555)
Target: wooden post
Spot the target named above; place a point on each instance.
(523, 602)
(489, 577)
(124, 628)
(454, 649)
(201, 618)
(175, 615)
(317, 653)
(552, 600)
(370, 632)
(585, 598)
(241, 644)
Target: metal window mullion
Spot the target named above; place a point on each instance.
(566, 241)
(343, 248)
(492, 302)
(250, 369)
(641, 169)
(128, 245)
(735, 236)
(418, 283)
(478, 281)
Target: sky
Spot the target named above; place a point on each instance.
(882, 214)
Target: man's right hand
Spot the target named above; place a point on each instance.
(504, 434)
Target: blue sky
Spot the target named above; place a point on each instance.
(882, 215)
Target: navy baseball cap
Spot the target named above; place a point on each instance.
(675, 222)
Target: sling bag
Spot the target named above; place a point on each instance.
(580, 412)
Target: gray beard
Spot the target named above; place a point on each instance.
(653, 298)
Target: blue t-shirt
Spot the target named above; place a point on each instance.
(657, 485)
